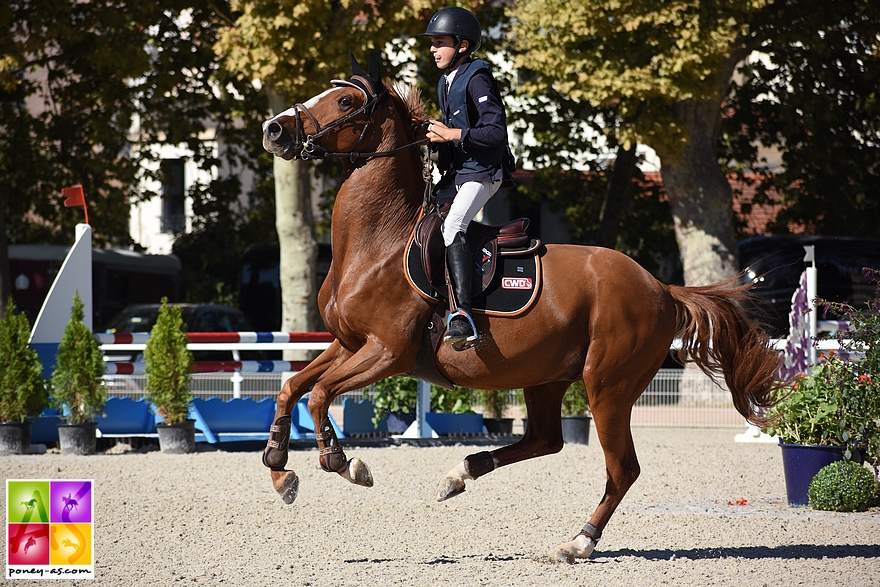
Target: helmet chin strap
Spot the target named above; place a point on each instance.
(459, 58)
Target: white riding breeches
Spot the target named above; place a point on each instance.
(471, 197)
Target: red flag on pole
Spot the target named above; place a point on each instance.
(75, 197)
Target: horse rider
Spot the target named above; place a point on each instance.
(473, 150)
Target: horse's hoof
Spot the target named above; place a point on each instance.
(581, 547)
(287, 487)
(450, 487)
(358, 473)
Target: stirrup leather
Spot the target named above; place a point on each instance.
(470, 341)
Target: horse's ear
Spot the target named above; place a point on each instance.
(375, 67)
(376, 75)
(356, 68)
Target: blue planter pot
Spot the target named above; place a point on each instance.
(398, 422)
(801, 462)
(445, 424)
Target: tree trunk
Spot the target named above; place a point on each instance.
(297, 245)
(612, 206)
(699, 192)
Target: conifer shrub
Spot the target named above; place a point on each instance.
(168, 364)
(78, 377)
(23, 392)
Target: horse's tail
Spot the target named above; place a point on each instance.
(719, 336)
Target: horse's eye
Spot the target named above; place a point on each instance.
(345, 102)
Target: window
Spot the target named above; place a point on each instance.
(173, 215)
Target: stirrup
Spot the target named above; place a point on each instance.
(459, 344)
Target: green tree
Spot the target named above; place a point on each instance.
(605, 201)
(812, 94)
(66, 109)
(294, 48)
(78, 376)
(89, 89)
(665, 68)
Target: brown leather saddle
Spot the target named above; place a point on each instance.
(487, 244)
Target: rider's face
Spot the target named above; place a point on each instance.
(443, 50)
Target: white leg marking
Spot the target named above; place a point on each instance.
(459, 473)
(580, 547)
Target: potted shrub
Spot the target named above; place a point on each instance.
(78, 384)
(857, 378)
(576, 415)
(394, 401)
(494, 402)
(835, 410)
(22, 389)
(806, 422)
(168, 363)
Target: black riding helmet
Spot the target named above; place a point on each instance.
(458, 23)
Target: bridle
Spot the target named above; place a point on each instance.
(311, 149)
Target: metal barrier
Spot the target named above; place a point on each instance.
(675, 397)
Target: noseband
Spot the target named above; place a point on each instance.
(312, 150)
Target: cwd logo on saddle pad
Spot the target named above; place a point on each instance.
(516, 283)
(49, 529)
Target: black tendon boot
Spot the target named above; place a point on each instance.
(461, 332)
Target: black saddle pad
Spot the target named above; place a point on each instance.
(513, 289)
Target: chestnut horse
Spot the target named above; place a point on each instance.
(599, 316)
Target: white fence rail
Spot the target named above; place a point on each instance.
(676, 397)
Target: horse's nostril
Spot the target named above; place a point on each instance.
(273, 131)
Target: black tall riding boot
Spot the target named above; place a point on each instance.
(461, 332)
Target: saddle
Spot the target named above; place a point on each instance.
(507, 268)
(487, 244)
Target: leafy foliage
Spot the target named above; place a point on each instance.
(575, 402)
(23, 392)
(394, 394)
(78, 377)
(843, 486)
(89, 91)
(168, 365)
(452, 401)
(400, 394)
(806, 413)
(640, 57)
(494, 402)
(812, 94)
(857, 377)
(67, 105)
(839, 402)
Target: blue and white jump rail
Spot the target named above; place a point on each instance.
(225, 341)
